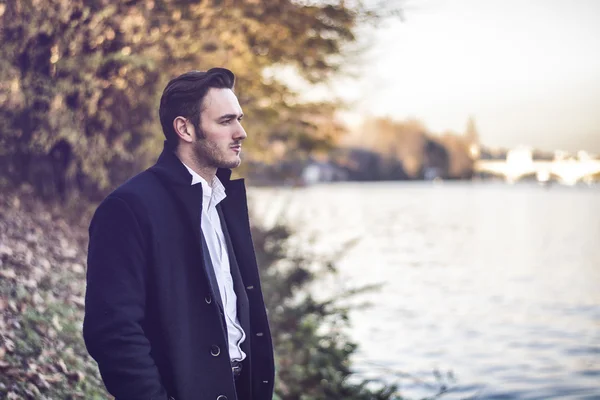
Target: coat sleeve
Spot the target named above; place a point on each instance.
(115, 304)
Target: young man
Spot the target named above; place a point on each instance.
(174, 308)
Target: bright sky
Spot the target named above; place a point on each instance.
(527, 70)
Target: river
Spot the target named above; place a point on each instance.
(490, 289)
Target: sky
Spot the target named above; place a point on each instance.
(528, 71)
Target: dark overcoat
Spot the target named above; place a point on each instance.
(152, 320)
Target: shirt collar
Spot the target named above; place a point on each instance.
(214, 192)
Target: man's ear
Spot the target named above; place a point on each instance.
(183, 129)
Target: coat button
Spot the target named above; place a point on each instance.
(222, 397)
(215, 350)
(208, 299)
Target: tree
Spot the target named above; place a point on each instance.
(91, 72)
(399, 140)
(461, 162)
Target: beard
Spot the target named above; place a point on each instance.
(208, 153)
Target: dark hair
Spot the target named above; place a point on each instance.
(183, 97)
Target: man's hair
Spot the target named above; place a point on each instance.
(183, 96)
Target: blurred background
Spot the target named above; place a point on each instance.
(424, 184)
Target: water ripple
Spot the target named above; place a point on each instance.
(498, 284)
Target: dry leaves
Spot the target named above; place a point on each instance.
(42, 283)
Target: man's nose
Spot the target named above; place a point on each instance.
(240, 133)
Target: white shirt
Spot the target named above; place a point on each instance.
(217, 247)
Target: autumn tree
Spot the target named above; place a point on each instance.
(417, 148)
(400, 140)
(461, 162)
(91, 72)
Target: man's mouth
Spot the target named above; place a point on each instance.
(237, 148)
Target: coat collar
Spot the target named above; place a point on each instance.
(175, 176)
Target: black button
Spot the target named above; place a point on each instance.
(208, 299)
(221, 397)
(215, 350)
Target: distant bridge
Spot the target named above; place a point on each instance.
(568, 171)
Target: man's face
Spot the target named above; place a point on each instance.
(219, 142)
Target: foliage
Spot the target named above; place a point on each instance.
(42, 279)
(410, 142)
(92, 72)
(461, 162)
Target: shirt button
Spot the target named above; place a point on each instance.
(208, 299)
(215, 350)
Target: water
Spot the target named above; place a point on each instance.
(497, 286)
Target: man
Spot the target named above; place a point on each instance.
(174, 308)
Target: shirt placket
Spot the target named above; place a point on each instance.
(221, 268)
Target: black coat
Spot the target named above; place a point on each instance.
(153, 319)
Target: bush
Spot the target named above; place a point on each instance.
(311, 348)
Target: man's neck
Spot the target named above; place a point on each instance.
(207, 173)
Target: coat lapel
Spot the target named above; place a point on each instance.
(210, 270)
(235, 213)
(241, 288)
(238, 282)
(177, 179)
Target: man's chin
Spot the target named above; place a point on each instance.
(231, 164)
